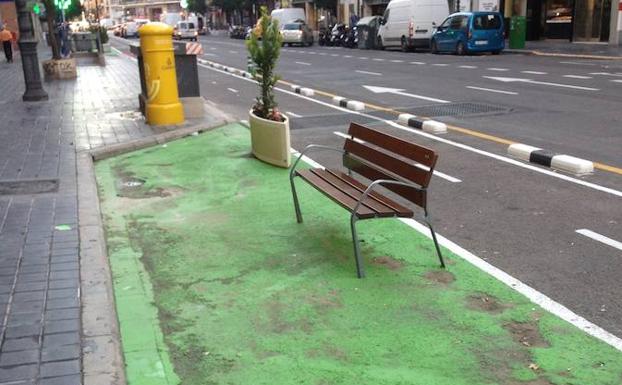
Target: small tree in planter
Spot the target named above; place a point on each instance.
(269, 128)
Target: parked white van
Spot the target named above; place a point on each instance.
(288, 15)
(410, 23)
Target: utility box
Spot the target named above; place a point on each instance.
(518, 31)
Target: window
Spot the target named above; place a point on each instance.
(291, 27)
(190, 25)
(445, 23)
(458, 22)
(386, 15)
(489, 21)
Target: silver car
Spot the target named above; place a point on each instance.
(185, 30)
(297, 33)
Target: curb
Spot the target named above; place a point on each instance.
(221, 67)
(562, 55)
(302, 90)
(549, 159)
(431, 126)
(349, 104)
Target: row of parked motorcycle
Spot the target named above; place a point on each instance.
(339, 35)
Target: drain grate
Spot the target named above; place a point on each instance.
(459, 109)
(27, 187)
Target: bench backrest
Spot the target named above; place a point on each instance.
(376, 155)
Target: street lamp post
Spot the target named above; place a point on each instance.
(30, 61)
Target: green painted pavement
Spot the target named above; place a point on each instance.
(207, 256)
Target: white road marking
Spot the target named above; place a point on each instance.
(600, 238)
(233, 90)
(363, 58)
(492, 90)
(397, 61)
(209, 54)
(577, 63)
(398, 91)
(323, 53)
(497, 69)
(509, 80)
(417, 62)
(347, 56)
(312, 52)
(435, 172)
(233, 51)
(377, 59)
(501, 158)
(469, 67)
(369, 73)
(535, 72)
(617, 81)
(302, 63)
(606, 73)
(532, 294)
(577, 77)
(293, 114)
(334, 54)
(440, 64)
(213, 48)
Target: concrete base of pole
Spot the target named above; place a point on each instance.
(32, 75)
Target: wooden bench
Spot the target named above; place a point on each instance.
(398, 165)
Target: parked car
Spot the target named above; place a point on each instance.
(288, 15)
(409, 24)
(237, 32)
(297, 33)
(185, 30)
(118, 29)
(467, 32)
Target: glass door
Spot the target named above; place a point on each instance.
(592, 20)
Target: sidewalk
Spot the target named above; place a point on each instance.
(41, 336)
(564, 48)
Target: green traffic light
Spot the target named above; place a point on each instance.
(36, 9)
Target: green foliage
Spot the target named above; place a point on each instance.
(197, 6)
(74, 10)
(103, 33)
(264, 48)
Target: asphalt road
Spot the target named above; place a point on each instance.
(521, 218)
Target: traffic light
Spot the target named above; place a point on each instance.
(36, 9)
(62, 4)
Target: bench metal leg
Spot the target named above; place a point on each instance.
(438, 249)
(296, 204)
(357, 252)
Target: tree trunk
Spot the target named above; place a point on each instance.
(50, 13)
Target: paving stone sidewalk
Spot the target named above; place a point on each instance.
(40, 331)
(554, 47)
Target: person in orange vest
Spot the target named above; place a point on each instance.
(6, 38)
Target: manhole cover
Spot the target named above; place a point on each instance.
(459, 109)
(27, 187)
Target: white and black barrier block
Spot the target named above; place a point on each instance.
(431, 126)
(302, 90)
(349, 104)
(548, 158)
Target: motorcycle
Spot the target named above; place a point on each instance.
(337, 34)
(351, 38)
(324, 36)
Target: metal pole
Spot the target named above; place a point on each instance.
(97, 11)
(30, 61)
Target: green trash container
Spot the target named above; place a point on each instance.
(518, 31)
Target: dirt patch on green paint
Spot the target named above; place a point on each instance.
(130, 186)
(526, 334)
(389, 262)
(440, 276)
(485, 302)
(538, 381)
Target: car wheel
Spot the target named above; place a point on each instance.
(434, 47)
(460, 49)
(404, 45)
(379, 43)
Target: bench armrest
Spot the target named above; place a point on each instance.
(377, 182)
(307, 149)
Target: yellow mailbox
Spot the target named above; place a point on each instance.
(156, 45)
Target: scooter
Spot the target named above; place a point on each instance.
(337, 34)
(324, 36)
(351, 38)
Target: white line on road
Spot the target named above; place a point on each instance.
(323, 53)
(399, 91)
(293, 114)
(312, 52)
(492, 90)
(369, 73)
(532, 294)
(363, 58)
(347, 56)
(233, 90)
(213, 48)
(577, 63)
(397, 61)
(209, 54)
(535, 72)
(577, 77)
(435, 172)
(233, 51)
(440, 64)
(606, 73)
(417, 62)
(600, 238)
(465, 147)
(469, 67)
(510, 80)
(377, 59)
(334, 54)
(302, 63)
(617, 81)
(497, 69)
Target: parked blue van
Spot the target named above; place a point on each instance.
(467, 32)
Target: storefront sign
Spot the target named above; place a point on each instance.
(489, 5)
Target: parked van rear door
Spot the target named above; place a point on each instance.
(487, 30)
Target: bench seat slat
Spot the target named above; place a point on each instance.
(374, 194)
(345, 194)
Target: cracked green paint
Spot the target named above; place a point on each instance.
(207, 257)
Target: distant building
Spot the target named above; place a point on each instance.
(143, 9)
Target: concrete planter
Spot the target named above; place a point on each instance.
(270, 140)
(60, 69)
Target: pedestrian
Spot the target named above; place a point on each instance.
(6, 38)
